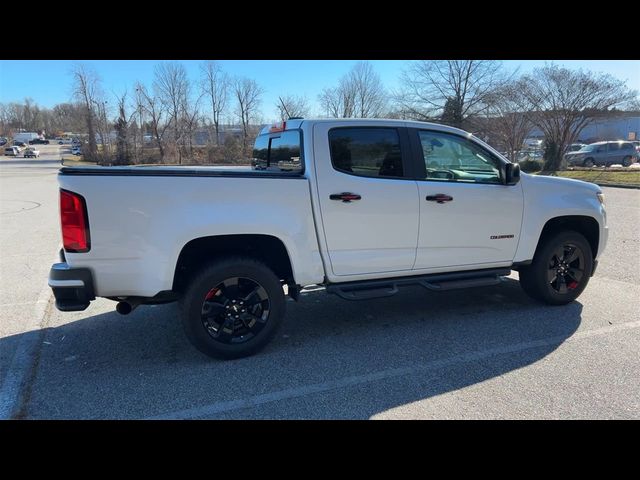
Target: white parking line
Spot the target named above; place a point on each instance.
(250, 402)
(21, 362)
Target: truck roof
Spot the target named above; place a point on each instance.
(297, 123)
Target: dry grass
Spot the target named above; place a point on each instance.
(602, 176)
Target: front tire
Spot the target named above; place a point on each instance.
(626, 161)
(233, 308)
(588, 163)
(560, 270)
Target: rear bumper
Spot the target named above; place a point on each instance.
(72, 287)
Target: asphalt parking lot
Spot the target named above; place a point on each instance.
(486, 353)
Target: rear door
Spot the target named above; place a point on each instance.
(367, 196)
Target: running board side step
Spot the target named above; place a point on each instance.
(438, 282)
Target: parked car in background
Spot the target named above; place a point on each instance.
(76, 151)
(21, 145)
(603, 154)
(12, 151)
(31, 153)
(574, 147)
(3, 141)
(39, 141)
(25, 137)
(535, 155)
(534, 143)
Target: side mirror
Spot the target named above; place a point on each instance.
(511, 174)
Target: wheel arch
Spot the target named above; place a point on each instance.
(196, 253)
(583, 224)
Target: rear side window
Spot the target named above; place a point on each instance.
(614, 147)
(627, 146)
(368, 152)
(278, 153)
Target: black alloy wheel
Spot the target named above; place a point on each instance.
(560, 269)
(235, 310)
(232, 307)
(566, 268)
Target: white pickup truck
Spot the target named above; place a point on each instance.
(362, 207)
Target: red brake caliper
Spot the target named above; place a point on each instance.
(572, 285)
(211, 294)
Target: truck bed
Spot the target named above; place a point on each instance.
(140, 218)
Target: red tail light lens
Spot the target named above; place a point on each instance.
(74, 221)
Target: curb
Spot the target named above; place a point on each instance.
(618, 185)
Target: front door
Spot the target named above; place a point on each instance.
(468, 218)
(368, 200)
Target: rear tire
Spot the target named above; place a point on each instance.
(560, 270)
(233, 308)
(626, 161)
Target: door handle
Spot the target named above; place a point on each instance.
(439, 197)
(346, 197)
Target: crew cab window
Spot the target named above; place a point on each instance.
(456, 159)
(277, 153)
(368, 152)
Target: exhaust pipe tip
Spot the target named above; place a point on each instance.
(124, 308)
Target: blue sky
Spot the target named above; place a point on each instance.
(48, 82)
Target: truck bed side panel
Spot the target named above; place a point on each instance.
(139, 224)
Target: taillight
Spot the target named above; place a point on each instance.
(74, 221)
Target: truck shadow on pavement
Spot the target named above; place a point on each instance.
(331, 359)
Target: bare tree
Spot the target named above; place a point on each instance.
(370, 96)
(31, 117)
(633, 104)
(103, 127)
(338, 102)
(138, 136)
(68, 117)
(122, 126)
(292, 106)
(247, 93)
(506, 119)
(86, 89)
(23, 116)
(172, 87)
(190, 119)
(359, 94)
(451, 90)
(561, 102)
(215, 84)
(153, 107)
